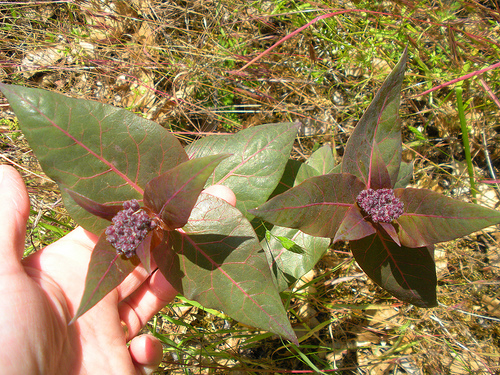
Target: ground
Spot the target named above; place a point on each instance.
(198, 67)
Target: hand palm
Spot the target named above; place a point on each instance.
(40, 295)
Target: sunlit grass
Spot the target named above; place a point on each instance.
(176, 64)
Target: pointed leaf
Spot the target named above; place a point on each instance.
(289, 245)
(380, 125)
(103, 211)
(322, 160)
(143, 252)
(106, 271)
(289, 266)
(104, 153)
(259, 156)
(305, 171)
(378, 176)
(407, 273)
(354, 226)
(430, 217)
(218, 262)
(316, 207)
(173, 194)
(389, 229)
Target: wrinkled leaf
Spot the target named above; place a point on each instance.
(173, 194)
(259, 156)
(289, 266)
(380, 124)
(407, 273)
(316, 207)
(431, 217)
(105, 272)
(218, 261)
(104, 153)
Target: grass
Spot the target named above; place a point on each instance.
(187, 66)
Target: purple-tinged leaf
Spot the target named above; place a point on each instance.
(391, 231)
(104, 153)
(106, 271)
(378, 176)
(354, 226)
(173, 194)
(218, 261)
(288, 266)
(380, 124)
(143, 252)
(405, 175)
(317, 206)
(101, 210)
(259, 156)
(407, 273)
(431, 217)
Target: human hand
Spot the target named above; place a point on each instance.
(41, 293)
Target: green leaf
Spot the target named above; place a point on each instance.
(289, 177)
(173, 194)
(305, 171)
(290, 245)
(431, 217)
(322, 160)
(218, 261)
(319, 163)
(407, 273)
(317, 206)
(104, 153)
(405, 175)
(289, 266)
(106, 271)
(259, 156)
(380, 125)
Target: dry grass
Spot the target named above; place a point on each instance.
(180, 64)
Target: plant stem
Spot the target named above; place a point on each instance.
(465, 142)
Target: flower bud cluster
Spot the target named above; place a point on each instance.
(381, 205)
(130, 226)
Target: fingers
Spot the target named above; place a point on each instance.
(145, 302)
(14, 211)
(64, 263)
(222, 192)
(146, 352)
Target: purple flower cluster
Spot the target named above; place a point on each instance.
(381, 205)
(130, 226)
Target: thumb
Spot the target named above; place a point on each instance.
(14, 211)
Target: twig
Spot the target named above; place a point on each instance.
(463, 78)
